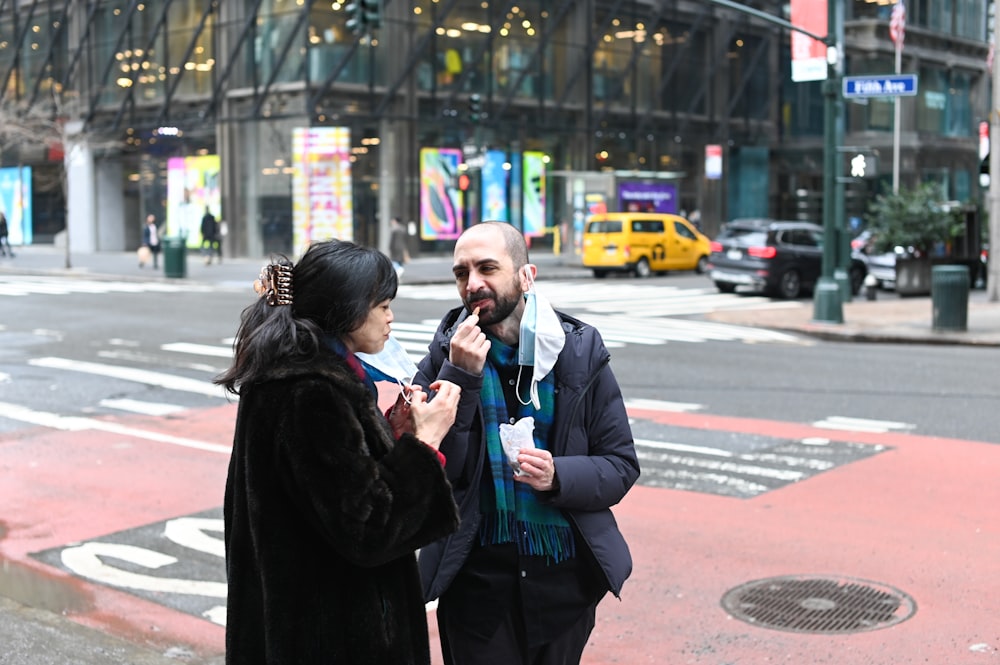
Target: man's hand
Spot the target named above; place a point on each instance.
(469, 345)
(538, 467)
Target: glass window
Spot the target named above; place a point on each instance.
(958, 116)
(682, 56)
(749, 78)
(683, 231)
(647, 226)
(605, 227)
(932, 100)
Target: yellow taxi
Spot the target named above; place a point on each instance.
(643, 243)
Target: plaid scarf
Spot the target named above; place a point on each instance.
(516, 514)
(337, 346)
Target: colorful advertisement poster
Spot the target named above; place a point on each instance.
(533, 208)
(192, 186)
(647, 197)
(322, 188)
(15, 203)
(808, 54)
(496, 186)
(440, 199)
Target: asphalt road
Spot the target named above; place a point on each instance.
(763, 455)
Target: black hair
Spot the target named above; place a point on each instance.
(334, 287)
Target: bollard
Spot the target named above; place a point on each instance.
(871, 287)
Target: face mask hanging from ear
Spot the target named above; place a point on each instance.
(541, 339)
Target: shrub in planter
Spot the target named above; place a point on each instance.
(913, 219)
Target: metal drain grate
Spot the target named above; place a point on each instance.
(818, 604)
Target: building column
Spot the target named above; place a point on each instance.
(81, 195)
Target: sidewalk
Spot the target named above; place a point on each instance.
(890, 318)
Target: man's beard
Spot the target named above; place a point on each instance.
(503, 304)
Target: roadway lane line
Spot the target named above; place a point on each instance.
(146, 377)
(862, 424)
(77, 424)
(660, 405)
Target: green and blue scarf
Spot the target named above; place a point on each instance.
(516, 514)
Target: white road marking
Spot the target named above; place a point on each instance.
(78, 424)
(146, 377)
(199, 349)
(145, 408)
(862, 424)
(660, 405)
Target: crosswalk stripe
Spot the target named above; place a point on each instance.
(137, 406)
(146, 377)
(20, 286)
(861, 424)
(76, 424)
(199, 349)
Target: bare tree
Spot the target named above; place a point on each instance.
(31, 128)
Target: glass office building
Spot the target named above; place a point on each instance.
(291, 127)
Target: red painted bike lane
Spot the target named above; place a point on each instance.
(921, 517)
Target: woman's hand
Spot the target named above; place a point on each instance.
(432, 418)
(399, 416)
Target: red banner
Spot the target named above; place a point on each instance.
(808, 54)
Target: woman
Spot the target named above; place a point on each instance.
(325, 504)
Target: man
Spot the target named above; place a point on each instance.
(398, 252)
(521, 579)
(210, 237)
(5, 249)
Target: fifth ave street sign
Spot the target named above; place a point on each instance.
(891, 85)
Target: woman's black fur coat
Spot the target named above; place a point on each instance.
(323, 513)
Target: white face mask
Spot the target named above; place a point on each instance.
(390, 364)
(541, 339)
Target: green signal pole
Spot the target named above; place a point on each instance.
(827, 299)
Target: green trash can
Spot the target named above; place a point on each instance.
(950, 297)
(174, 257)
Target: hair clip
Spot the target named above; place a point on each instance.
(275, 284)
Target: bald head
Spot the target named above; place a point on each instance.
(512, 240)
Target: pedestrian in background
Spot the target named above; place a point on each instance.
(326, 500)
(151, 241)
(5, 248)
(210, 237)
(536, 550)
(398, 251)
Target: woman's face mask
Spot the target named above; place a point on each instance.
(390, 364)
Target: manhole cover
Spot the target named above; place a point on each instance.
(803, 604)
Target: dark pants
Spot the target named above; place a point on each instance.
(508, 645)
(5, 247)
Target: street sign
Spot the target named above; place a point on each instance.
(887, 85)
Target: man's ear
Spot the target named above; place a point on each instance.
(528, 272)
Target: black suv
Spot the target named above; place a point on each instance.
(781, 258)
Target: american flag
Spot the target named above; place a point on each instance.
(897, 24)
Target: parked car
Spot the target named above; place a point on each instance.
(780, 258)
(643, 243)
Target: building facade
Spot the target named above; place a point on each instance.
(107, 100)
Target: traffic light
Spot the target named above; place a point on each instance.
(475, 108)
(371, 12)
(355, 17)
